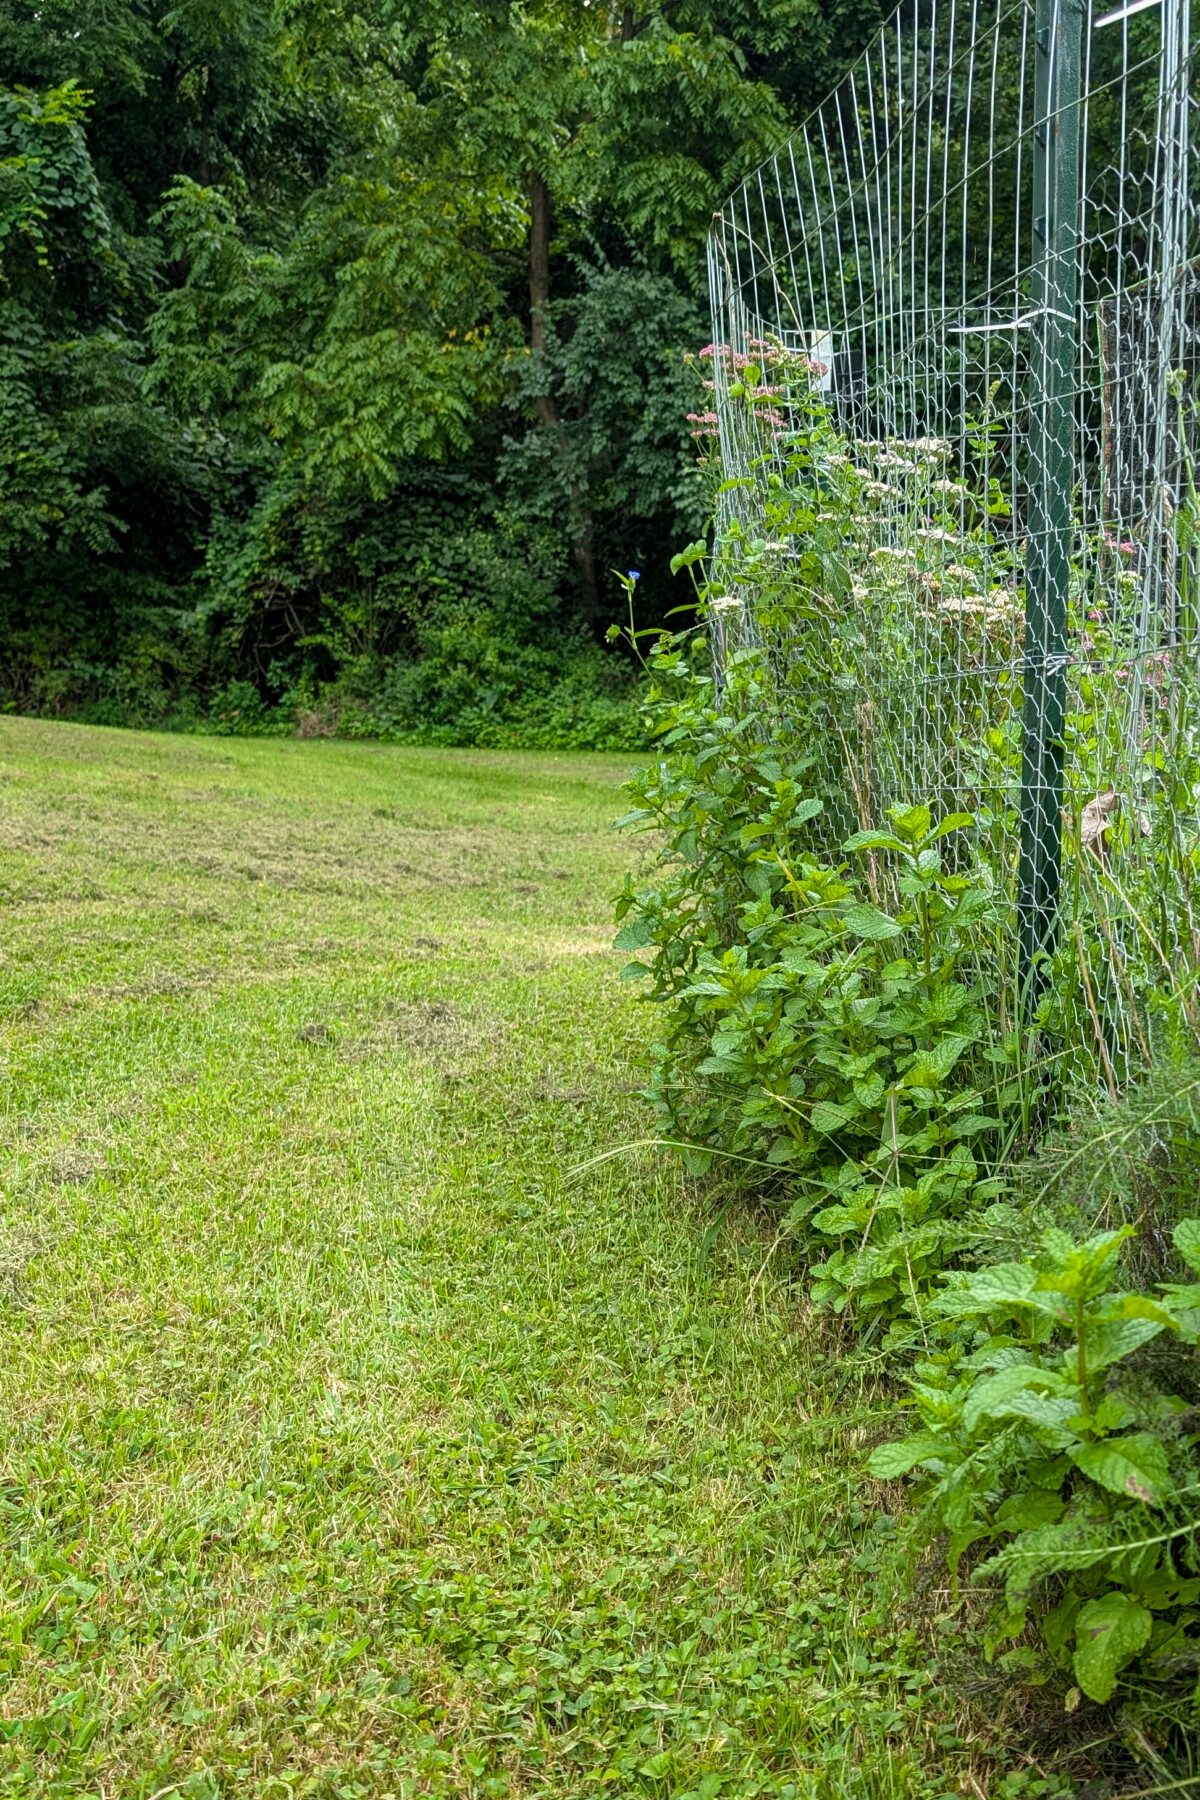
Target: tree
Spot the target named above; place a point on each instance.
(304, 272)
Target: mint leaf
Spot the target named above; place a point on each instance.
(1049, 1417)
(1108, 1340)
(992, 1395)
(1108, 1633)
(870, 1091)
(929, 1068)
(873, 840)
(890, 1460)
(825, 1116)
(868, 922)
(911, 822)
(953, 822)
(1025, 1512)
(1003, 1285)
(1135, 1466)
(1186, 1238)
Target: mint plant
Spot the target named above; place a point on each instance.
(1039, 1437)
(818, 1033)
(840, 1018)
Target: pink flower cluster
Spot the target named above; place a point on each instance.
(1156, 669)
(758, 353)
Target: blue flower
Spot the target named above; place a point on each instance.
(635, 574)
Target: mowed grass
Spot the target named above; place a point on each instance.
(350, 1445)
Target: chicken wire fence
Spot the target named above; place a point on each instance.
(954, 379)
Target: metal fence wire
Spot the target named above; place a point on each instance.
(955, 383)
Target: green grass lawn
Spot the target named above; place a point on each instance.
(350, 1445)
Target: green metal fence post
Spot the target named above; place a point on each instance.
(1057, 28)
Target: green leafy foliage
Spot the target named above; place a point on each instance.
(100, 492)
(622, 391)
(825, 1030)
(369, 341)
(1039, 1437)
(835, 1031)
(266, 271)
(824, 1021)
(51, 214)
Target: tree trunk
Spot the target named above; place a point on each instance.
(585, 561)
(539, 287)
(580, 513)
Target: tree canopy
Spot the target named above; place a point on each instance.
(342, 346)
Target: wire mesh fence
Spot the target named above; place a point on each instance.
(955, 365)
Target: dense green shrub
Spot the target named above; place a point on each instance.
(828, 1034)
(273, 370)
(1041, 1433)
(421, 617)
(812, 1029)
(473, 686)
(840, 1029)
